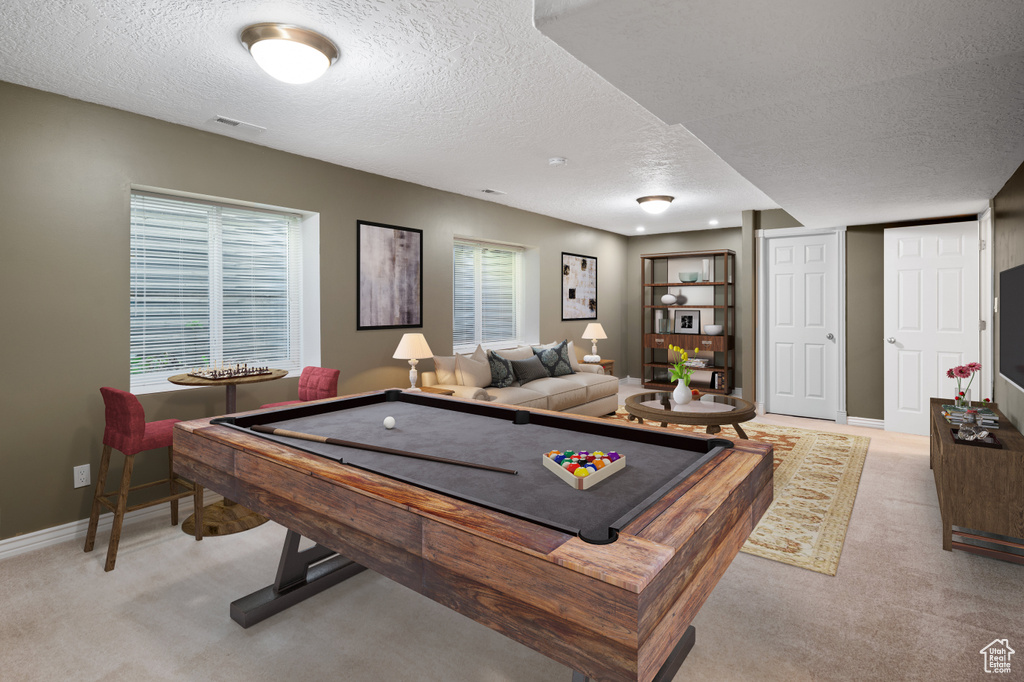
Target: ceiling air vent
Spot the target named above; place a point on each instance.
(239, 125)
(492, 191)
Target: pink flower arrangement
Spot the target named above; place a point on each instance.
(963, 372)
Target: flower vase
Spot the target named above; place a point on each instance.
(964, 401)
(681, 394)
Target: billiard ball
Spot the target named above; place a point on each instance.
(389, 423)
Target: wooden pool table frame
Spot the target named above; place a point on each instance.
(620, 611)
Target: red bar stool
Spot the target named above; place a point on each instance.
(127, 431)
(315, 383)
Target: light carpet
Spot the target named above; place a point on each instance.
(816, 480)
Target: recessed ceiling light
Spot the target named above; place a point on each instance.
(655, 204)
(712, 222)
(639, 228)
(557, 161)
(289, 53)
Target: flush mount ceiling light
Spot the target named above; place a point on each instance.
(289, 53)
(655, 204)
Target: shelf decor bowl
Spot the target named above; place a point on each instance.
(688, 276)
(713, 329)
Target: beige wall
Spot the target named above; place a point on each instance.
(865, 300)
(66, 168)
(1008, 238)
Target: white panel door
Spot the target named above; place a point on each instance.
(932, 314)
(802, 284)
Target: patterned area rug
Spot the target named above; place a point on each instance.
(816, 480)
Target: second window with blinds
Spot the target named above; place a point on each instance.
(488, 295)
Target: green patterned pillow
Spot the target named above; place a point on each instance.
(502, 375)
(555, 359)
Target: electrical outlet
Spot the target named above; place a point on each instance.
(82, 476)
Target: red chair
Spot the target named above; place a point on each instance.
(315, 383)
(127, 431)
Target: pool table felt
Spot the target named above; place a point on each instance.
(534, 493)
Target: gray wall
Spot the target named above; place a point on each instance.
(1008, 238)
(65, 172)
(865, 301)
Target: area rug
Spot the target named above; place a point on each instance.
(816, 480)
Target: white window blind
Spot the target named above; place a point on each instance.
(487, 288)
(212, 284)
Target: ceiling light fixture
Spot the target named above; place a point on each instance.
(655, 204)
(557, 161)
(289, 53)
(712, 222)
(639, 228)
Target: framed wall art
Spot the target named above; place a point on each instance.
(686, 321)
(579, 287)
(389, 280)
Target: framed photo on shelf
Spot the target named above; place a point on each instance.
(389, 280)
(579, 287)
(685, 321)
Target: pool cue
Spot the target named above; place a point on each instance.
(374, 448)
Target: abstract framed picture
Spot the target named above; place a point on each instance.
(686, 321)
(579, 287)
(389, 276)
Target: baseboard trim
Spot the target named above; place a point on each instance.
(631, 380)
(76, 530)
(866, 423)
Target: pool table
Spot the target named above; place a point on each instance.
(605, 580)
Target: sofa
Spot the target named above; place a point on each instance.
(585, 390)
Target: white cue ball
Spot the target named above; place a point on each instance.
(389, 422)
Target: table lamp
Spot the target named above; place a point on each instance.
(594, 331)
(413, 347)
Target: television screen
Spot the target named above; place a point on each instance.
(1011, 325)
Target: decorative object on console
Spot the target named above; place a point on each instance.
(655, 204)
(593, 332)
(289, 53)
(579, 287)
(412, 347)
(713, 329)
(686, 321)
(963, 395)
(389, 283)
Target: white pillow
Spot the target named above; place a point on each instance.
(517, 353)
(471, 372)
(445, 368)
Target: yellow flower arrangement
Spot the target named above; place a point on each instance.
(679, 369)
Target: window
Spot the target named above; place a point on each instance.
(212, 283)
(487, 294)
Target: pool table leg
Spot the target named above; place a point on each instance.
(297, 579)
(671, 665)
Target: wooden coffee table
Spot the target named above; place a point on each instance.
(711, 411)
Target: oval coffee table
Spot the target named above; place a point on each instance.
(710, 410)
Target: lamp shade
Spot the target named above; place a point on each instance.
(594, 330)
(413, 347)
(655, 204)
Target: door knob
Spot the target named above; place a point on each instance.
(831, 336)
(890, 340)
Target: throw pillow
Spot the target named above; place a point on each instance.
(517, 353)
(573, 362)
(529, 370)
(472, 372)
(502, 374)
(555, 359)
(445, 368)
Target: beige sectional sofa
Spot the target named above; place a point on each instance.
(588, 390)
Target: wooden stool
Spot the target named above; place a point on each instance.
(127, 431)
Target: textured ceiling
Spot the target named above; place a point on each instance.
(842, 111)
(459, 95)
(839, 111)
